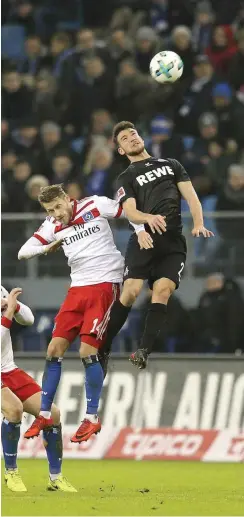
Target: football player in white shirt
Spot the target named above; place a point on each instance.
(81, 228)
(20, 393)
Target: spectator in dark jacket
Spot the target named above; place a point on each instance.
(230, 112)
(236, 69)
(231, 198)
(164, 142)
(17, 99)
(96, 90)
(63, 168)
(181, 44)
(35, 56)
(197, 96)
(220, 316)
(147, 45)
(202, 27)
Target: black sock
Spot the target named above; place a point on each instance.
(155, 323)
(118, 317)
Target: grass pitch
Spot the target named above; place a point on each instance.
(111, 487)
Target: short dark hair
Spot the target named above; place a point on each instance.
(121, 126)
(49, 193)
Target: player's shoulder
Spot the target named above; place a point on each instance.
(86, 202)
(173, 162)
(126, 172)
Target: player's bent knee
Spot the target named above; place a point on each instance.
(162, 291)
(57, 347)
(14, 413)
(55, 413)
(86, 350)
(131, 291)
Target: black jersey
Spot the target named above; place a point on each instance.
(153, 184)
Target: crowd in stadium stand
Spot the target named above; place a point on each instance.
(71, 69)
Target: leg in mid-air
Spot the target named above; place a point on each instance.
(12, 410)
(50, 382)
(97, 304)
(118, 316)
(52, 441)
(94, 378)
(155, 321)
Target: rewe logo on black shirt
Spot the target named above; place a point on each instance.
(154, 174)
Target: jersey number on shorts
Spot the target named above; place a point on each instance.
(93, 329)
(180, 271)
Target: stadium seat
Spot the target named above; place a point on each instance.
(13, 38)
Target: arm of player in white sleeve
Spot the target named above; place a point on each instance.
(37, 244)
(111, 208)
(5, 330)
(24, 315)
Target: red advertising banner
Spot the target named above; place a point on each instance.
(161, 444)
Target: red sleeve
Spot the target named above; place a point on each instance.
(6, 322)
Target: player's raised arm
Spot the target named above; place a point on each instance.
(41, 243)
(6, 319)
(189, 194)
(23, 314)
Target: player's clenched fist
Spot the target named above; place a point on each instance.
(157, 223)
(54, 246)
(144, 240)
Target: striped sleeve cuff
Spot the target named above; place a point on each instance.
(6, 322)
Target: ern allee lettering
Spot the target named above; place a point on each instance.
(154, 174)
(80, 234)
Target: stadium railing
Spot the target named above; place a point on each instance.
(223, 253)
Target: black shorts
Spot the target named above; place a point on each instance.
(165, 260)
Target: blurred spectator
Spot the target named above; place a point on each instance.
(236, 69)
(222, 48)
(132, 92)
(147, 45)
(59, 50)
(51, 142)
(197, 96)
(181, 44)
(23, 13)
(63, 168)
(100, 179)
(159, 16)
(164, 142)
(74, 190)
(26, 138)
(9, 159)
(15, 186)
(33, 187)
(86, 45)
(232, 198)
(17, 99)
(95, 91)
(219, 316)
(202, 27)
(230, 112)
(46, 102)
(119, 48)
(35, 55)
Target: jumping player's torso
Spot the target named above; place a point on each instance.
(89, 246)
(153, 183)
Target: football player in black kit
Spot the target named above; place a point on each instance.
(150, 191)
